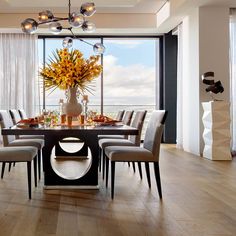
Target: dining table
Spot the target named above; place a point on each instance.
(88, 134)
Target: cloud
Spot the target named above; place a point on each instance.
(131, 84)
(125, 43)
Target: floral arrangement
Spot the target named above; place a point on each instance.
(70, 69)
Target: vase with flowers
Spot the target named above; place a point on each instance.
(69, 70)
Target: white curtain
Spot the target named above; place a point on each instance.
(233, 74)
(179, 135)
(18, 72)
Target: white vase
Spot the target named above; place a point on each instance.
(72, 107)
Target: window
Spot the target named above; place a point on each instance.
(130, 75)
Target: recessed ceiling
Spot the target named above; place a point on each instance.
(61, 6)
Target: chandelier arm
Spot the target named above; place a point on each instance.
(55, 19)
(76, 37)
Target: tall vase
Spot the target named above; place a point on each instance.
(72, 107)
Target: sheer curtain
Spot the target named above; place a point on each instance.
(179, 136)
(233, 74)
(18, 71)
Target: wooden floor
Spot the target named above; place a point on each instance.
(199, 198)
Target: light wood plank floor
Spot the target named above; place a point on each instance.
(199, 198)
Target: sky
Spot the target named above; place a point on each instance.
(129, 71)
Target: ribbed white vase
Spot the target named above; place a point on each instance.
(72, 107)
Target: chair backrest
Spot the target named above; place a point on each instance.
(15, 115)
(137, 122)
(154, 132)
(6, 122)
(23, 114)
(127, 117)
(120, 115)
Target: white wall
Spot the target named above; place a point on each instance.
(206, 48)
(214, 52)
(190, 83)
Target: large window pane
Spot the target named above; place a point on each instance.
(129, 75)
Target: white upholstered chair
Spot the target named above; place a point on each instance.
(15, 115)
(126, 121)
(22, 114)
(133, 140)
(148, 153)
(11, 141)
(21, 154)
(120, 115)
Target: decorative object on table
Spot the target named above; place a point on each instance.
(75, 20)
(213, 87)
(85, 106)
(61, 106)
(68, 70)
(216, 135)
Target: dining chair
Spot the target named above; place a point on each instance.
(21, 154)
(133, 140)
(125, 121)
(148, 153)
(22, 114)
(11, 141)
(120, 115)
(15, 115)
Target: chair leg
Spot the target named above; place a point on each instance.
(29, 177)
(100, 159)
(35, 171)
(112, 178)
(39, 163)
(103, 163)
(140, 170)
(107, 170)
(133, 164)
(148, 174)
(9, 168)
(158, 178)
(128, 164)
(3, 168)
(14, 163)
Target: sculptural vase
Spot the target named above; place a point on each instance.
(72, 107)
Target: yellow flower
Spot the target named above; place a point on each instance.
(69, 68)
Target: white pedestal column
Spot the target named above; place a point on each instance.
(216, 135)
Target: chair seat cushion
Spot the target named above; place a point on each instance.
(114, 142)
(16, 154)
(111, 136)
(38, 143)
(128, 153)
(31, 136)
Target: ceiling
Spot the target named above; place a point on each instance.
(61, 6)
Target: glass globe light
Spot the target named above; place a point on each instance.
(99, 48)
(29, 26)
(88, 9)
(76, 19)
(67, 42)
(88, 27)
(45, 16)
(55, 27)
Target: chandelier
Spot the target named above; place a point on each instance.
(75, 20)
